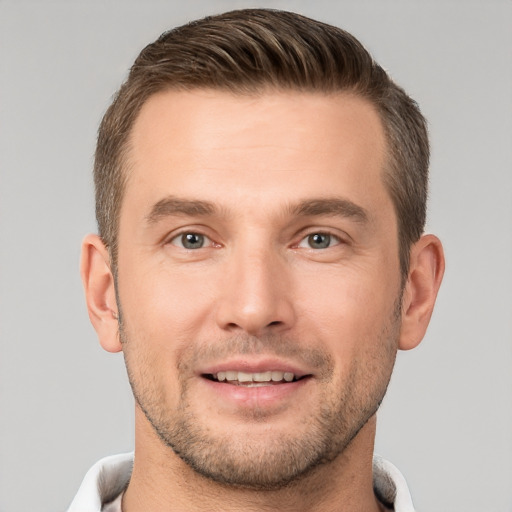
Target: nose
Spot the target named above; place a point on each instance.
(257, 294)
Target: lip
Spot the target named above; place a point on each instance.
(267, 397)
(252, 365)
(261, 397)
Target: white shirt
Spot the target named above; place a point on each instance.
(105, 482)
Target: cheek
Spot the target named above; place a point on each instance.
(350, 315)
(167, 306)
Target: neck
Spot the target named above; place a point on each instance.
(162, 482)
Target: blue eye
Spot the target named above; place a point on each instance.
(190, 240)
(319, 241)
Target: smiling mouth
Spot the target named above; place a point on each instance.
(258, 379)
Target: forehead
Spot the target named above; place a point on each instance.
(277, 143)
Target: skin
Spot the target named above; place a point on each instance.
(257, 177)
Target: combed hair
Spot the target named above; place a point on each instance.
(252, 51)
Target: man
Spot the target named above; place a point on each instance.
(260, 194)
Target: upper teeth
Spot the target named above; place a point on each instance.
(274, 376)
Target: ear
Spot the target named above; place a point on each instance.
(100, 292)
(426, 269)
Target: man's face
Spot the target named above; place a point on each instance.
(258, 278)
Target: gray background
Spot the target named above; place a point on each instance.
(64, 403)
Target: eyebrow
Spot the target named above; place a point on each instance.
(173, 206)
(330, 207)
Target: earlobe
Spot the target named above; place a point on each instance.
(426, 269)
(100, 295)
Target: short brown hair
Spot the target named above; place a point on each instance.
(248, 51)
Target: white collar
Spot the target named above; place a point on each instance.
(110, 476)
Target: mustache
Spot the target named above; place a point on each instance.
(309, 355)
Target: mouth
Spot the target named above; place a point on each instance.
(254, 379)
(265, 385)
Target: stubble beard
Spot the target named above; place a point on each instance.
(267, 462)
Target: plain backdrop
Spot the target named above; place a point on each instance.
(64, 403)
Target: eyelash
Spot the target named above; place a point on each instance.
(207, 242)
